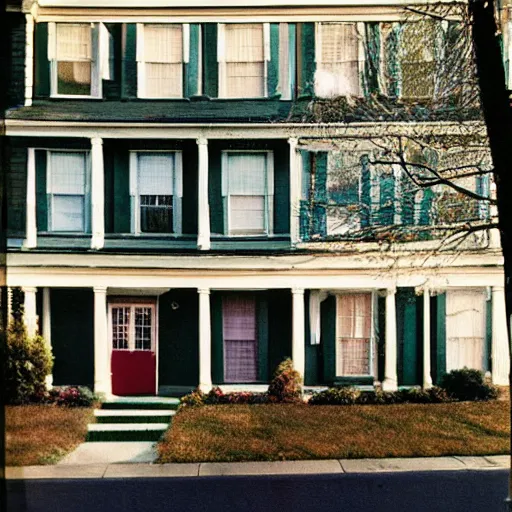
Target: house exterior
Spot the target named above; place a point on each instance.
(181, 211)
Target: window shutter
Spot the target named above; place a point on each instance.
(41, 192)
(306, 68)
(366, 198)
(387, 199)
(129, 60)
(44, 48)
(210, 82)
(305, 205)
(320, 195)
(425, 217)
(192, 66)
(107, 71)
(483, 189)
(439, 347)
(96, 89)
(273, 66)
(328, 337)
(122, 191)
(361, 34)
(392, 45)
(139, 56)
(372, 53)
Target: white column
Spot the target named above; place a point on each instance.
(29, 58)
(30, 312)
(205, 340)
(500, 349)
(102, 377)
(30, 219)
(295, 178)
(203, 235)
(494, 234)
(47, 327)
(298, 335)
(390, 375)
(427, 372)
(97, 194)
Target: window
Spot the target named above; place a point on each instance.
(248, 192)
(339, 57)
(133, 327)
(240, 339)
(81, 56)
(156, 191)
(67, 187)
(161, 52)
(354, 341)
(243, 52)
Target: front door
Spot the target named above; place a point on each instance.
(133, 333)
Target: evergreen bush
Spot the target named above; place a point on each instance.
(468, 384)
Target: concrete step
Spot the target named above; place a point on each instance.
(141, 402)
(134, 415)
(126, 431)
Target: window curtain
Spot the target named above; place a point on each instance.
(156, 174)
(245, 66)
(354, 334)
(465, 329)
(74, 53)
(240, 339)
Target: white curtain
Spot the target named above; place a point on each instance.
(245, 67)
(74, 42)
(354, 321)
(156, 174)
(465, 329)
(338, 69)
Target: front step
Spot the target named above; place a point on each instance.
(133, 415)
(126, 431)
(141, 402)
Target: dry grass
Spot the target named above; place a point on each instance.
(42, 434)
(293, 432)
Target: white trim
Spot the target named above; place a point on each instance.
(205, 344)
(30, 221)
(102, 367)
(30, 310)
(97, 194)
(29, 59)
(298, 333)
(390, 382)
(139, 57)
(203, 208)
(266, 42)
(185, 32)
(427, 373)
(499, 352)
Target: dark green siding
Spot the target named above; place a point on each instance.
(306, 53)
(129, 62)
(408, 334)
(41, 196)
(178, 338)
(215, 190)
(282, 189)
(72, 324)
(438, 336)
(210, 64)
(14, 64)
(273, 65)
(16, 190)
(189, 202)
(328, 338)
(217, 338)
(108, 170)
(42, 65)
(191, 69)
(280, 328)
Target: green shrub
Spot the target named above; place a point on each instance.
(27, 363)
(73, 396)
(335, 396)
(286, 386)
(468, 384)
(193, 399)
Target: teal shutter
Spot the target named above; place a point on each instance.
(217, 338)
(121, 199)
(320, 194)
(393, 69)
(387, 199)
(273, 64)
(408, 191)
(366, 198)
(379, 320)
(427, 200)
(328, 337)
(282, 189)
(42, 64)
(488, 332)
(305, 205)
(372, 57)
(129, 67)
(191, 69)
(307, 66)
(407, 326)
(292, 49)
(215, 191)
(440, 335)
(211, 67)
(262, 323)
(41, 196)
(483, 189)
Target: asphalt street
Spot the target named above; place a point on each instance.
(437, 491)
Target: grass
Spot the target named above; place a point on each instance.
(42, 434)
(228, 433)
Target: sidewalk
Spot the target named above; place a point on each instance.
(307, 467)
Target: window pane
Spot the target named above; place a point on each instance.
(247, 214)
(74, 42)
(245, 80)
(240, 341)
(155, 173)
(156, 214)
(68, 213)
(164, 80)
(74, 78)
(143, 323)
(247, 173)
(163, 43)
(120, 327)
(67, 173)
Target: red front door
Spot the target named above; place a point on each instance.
(133, 348)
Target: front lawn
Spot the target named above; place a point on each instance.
(228, 433)
(42, 434)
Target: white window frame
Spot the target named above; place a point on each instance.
(131, 334)
(372, 361)
(177, 187)
(141, 62)
(101, 59)
(269, 192)
(221, 58)
(87, 191)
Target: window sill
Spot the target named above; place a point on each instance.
(74, 97)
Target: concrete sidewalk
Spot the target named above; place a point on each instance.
(307, 467)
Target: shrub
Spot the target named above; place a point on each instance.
(27, 363)
(468, 384)
(193, 399)
(73, 396)
(433, 395)
(335, 396)
(286, 386)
